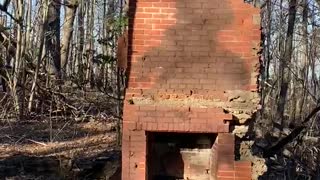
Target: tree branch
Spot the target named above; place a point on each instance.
(4, 8)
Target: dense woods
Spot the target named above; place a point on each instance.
(287, 127)
(60, 63)
(50, 45)
(59, 73)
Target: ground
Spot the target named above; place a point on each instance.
(60, 148)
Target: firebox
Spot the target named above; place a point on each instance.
(180, 156)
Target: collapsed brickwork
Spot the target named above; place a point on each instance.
(193, 67)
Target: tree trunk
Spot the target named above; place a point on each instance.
(89, 39)
(18, 59)
(80, 46)
(53, 37)
(40, 54)
(70, 12)
(285, 60)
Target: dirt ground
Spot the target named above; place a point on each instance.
(68, 150)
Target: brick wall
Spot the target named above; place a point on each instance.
(174, 119)
(184, 52)
(201, 44)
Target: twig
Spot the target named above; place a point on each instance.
(20, 139)
(60, 130)
(18, 21)
(37, 142)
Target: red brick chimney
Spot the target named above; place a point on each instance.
(183, 56)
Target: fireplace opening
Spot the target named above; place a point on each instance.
(180, 156)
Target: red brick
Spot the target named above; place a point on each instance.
(147, 108)
(168, 10)
(226, 178)
(170, 126)
(226, 173)
(143, 4)
(163, 126)
(226, 138)
(157, 114)
(148, 119)
(160, 4)
(187, 127)
(242, 178)
(142, 15)
(243, 164)
(136, 139)
(129, 125)
(152, 10)
(226, 149)
(225, 166)
(245, 174)
(168, 21)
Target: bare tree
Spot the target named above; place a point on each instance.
(53, 36)
(70, 13)
(285, 61)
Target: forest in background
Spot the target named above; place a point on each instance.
(286, 129)
(58, 67)
(51, 49)
(61, 87)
